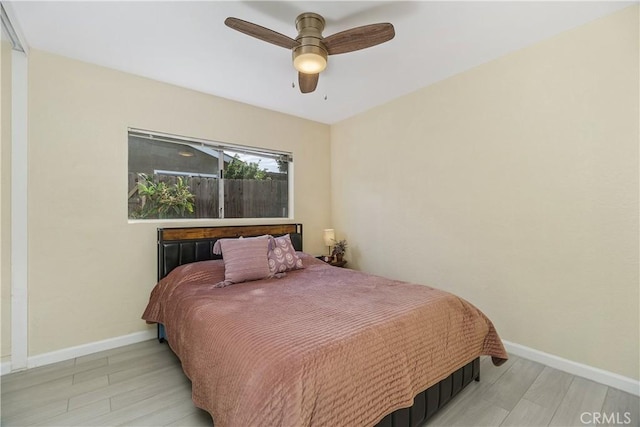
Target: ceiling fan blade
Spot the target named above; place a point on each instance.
(307, 82)
(261, 33)
(358, 38)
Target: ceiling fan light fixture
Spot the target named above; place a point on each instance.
(309, 59)
(310, 48)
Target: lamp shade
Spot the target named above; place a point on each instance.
(329, 236)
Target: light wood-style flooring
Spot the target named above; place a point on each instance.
(143, 385)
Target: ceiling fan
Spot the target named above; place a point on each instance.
(310, 49)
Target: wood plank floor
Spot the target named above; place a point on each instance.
(143, 385)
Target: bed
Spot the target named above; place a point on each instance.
(319, 345)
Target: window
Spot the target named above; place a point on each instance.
(178, 177)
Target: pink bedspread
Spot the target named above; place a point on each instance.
(323, 346)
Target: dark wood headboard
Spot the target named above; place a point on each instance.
(177, 246)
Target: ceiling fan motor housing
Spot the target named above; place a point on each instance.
(311, 55)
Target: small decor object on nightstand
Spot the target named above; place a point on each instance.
(339, 249)
(338, 263)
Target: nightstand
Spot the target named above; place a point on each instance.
(338, 264)
(332, 263)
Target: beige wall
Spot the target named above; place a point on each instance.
(514, 185)
(90, 271)
(5, 196)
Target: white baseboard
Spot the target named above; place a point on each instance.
(83, 350)
(5, 368)
(601, 376)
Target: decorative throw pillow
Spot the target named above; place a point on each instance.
(244, 260)
(282, 256)
(217, 250)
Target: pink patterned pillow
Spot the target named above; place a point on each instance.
(217, 249)
(282, 256)
(244, 260)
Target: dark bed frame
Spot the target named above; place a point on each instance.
(178, 246)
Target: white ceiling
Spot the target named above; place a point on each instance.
(187, 44)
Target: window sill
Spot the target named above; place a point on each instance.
(214, 221)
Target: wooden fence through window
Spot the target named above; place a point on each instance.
(244, 198)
